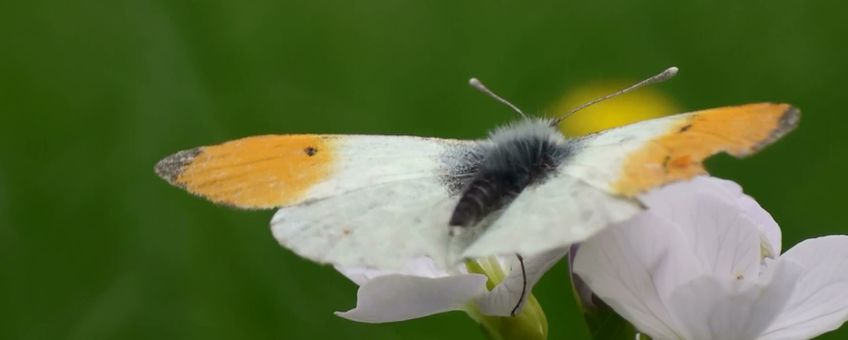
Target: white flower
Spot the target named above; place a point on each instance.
(703, 263)
(420, 288)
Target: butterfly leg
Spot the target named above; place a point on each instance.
(523, 285)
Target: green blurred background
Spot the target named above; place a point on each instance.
(92, 93)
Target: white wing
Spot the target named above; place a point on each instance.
(382, 226)
(283, 170)
(361, 200)
(591, 189)
(391, 223)
(363, 161)
(558, 212)
(638, 157)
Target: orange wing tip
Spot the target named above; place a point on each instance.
(259, 172)
(678, 154)
(170, 168)
(787, 122)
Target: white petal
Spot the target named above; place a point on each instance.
(748, 206)
(634, 266)
(508, 297)
(763, 220)
(402, 297)
(582, 291)
(724, 240)
(672, 200)
(706, 210)
(719, 307)
(819, 302)
(422, 266)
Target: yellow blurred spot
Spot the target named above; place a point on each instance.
(639, 105)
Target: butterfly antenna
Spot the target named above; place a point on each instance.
(661, 77)
(477, 84)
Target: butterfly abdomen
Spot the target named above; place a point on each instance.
(484, 195)
(512, 159)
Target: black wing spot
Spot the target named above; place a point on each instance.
(685, 128)
(310, 151)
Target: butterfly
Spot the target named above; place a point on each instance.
(381, 201)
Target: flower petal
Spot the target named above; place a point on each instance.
(402, 297)
(748, 206)
(634, 266)
(819, 301)
(582, 292)
(422, 266)
(717, 307)
(761, 218)
(508, 297)
(667, 201)
(727, 241)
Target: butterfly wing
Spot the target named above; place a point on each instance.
(558, 212)
(283, 170)
(597, 184)
(381, 226)
(380, 201)
(349, 200)
(638, 157)
(390, 224)
(387, 224)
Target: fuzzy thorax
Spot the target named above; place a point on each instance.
(515, 156)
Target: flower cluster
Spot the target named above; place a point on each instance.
(702, 262)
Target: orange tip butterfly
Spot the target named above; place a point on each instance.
(381, 201)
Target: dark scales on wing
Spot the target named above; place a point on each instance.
(513, 158)
(171, 167)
